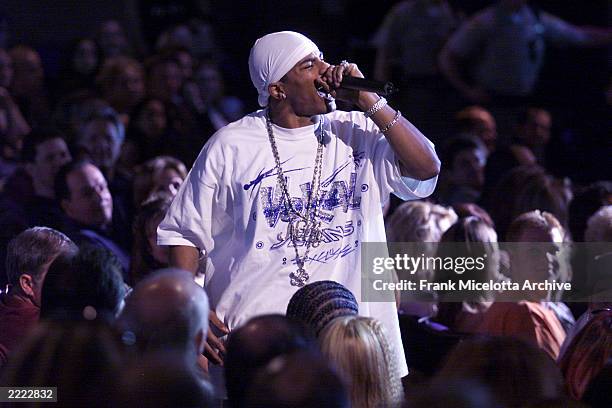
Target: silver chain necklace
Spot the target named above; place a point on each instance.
(301, 227)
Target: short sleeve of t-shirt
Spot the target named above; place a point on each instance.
(386, 167)
(200, 209)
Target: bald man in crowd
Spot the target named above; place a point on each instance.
(167, 312)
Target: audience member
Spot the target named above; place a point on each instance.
(83, 285)
(457, 393)
(150, 134)
(501, 49)
(112, 39)
(31, 187)
(162, 381)
(585, 202)
(147, 256)
(416, 227)
(299, 380)
(408, 42)
(81, 66)
(162, 174)
(28, 257)
(87, 204)
(516, 373)
(597, 394)
(121, 82)
(524, 189)
(587, 353)
(27, 86)
(255, 344)
(359, 349)
(525, 315)
(82, 359)
(462, 180)
(211, 100)
(100, 139)
(167, 312)
(477, 122)
(318, 303)
(470, 237)
(13, 129)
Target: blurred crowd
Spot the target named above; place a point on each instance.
(90, 160)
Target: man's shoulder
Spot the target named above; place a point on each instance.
(235, 133)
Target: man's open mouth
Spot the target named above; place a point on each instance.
(323, 93)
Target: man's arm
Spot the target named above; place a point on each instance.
(187, 257)
(418, 160)
(184, 257)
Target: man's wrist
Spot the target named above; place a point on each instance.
(367, 100)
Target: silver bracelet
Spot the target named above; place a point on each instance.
(398, 115)
(376, 107)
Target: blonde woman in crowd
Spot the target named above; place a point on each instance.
(359, 349)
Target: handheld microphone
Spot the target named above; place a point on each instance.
(368, 85)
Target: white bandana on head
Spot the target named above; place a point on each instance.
(273, 55)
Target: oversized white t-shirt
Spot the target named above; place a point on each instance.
(231, 207)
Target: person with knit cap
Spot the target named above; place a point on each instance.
(287, 194)
(318, 303)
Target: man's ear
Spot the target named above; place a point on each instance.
(277, 91)
(26, 283)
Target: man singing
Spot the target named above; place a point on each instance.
(288, 194)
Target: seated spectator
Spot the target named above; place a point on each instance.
(87, 204)
(83, 285)
(27, 86)
(459, 393)
(99, 140)
(162, 174)
(418, 226)
(516, 373)
(535, 237)
(150, 134)
(165, 83)
(81, 66)
(13, 129)
(82, 359)
(597, 394)
(533, 130)
(585, 202)
(147, 256)
(121, 81)
(112, 39)
(29, 255)
(167, 311)
(298, 380)
(318, 303)
(162, 381)
(471, 237)
(477, 122)
(599, 292)
(255, 344)
(587, 353)
(463, 179)
(213, 102)
(358, 348)
(31, 187)
(74, 109)
(524, 189)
